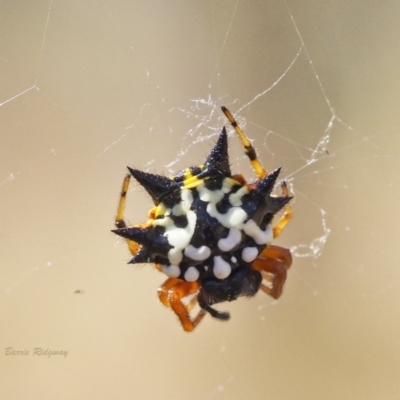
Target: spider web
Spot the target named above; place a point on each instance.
(90, 87)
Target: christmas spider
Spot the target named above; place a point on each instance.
(210, 232)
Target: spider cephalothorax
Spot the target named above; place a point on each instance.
(209, 231)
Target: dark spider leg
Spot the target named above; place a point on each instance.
(222, 315)
(171, 294)
(276, 261)
(242, 282)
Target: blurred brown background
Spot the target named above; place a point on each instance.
(87, 88)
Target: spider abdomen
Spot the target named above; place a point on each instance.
(213, 243)
(205, 223)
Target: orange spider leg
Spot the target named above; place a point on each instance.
(163, 290)
(171, 294)
(287, 215)
(276, 261)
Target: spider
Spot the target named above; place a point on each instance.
(210, 232)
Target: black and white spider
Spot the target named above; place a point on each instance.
(210, 232)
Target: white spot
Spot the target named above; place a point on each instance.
(234, 237)
(175, 255)
(184, 206)
(187, 198)
(249, 254)
(178, 238)
(236, 198)
(259, 236)
(191, 274)
(177, 210)
(221, 268)
(166, 222)
(173, 271)
(197, 254)
(228, 183)
(209, 196)
(234, 218)
(233, 259)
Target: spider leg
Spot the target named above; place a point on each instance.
(275, 261)
(287, 214)
(260, 171)
(171, 294)
(120, 218)
(250, 152)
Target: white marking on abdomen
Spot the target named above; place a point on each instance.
(249, 254)
(178, 238)
(209, 196)
(173, 271)
(221, 268)
(234, 237)
(192, 274)
(234, 218)
(197, 254)
(259, 236)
